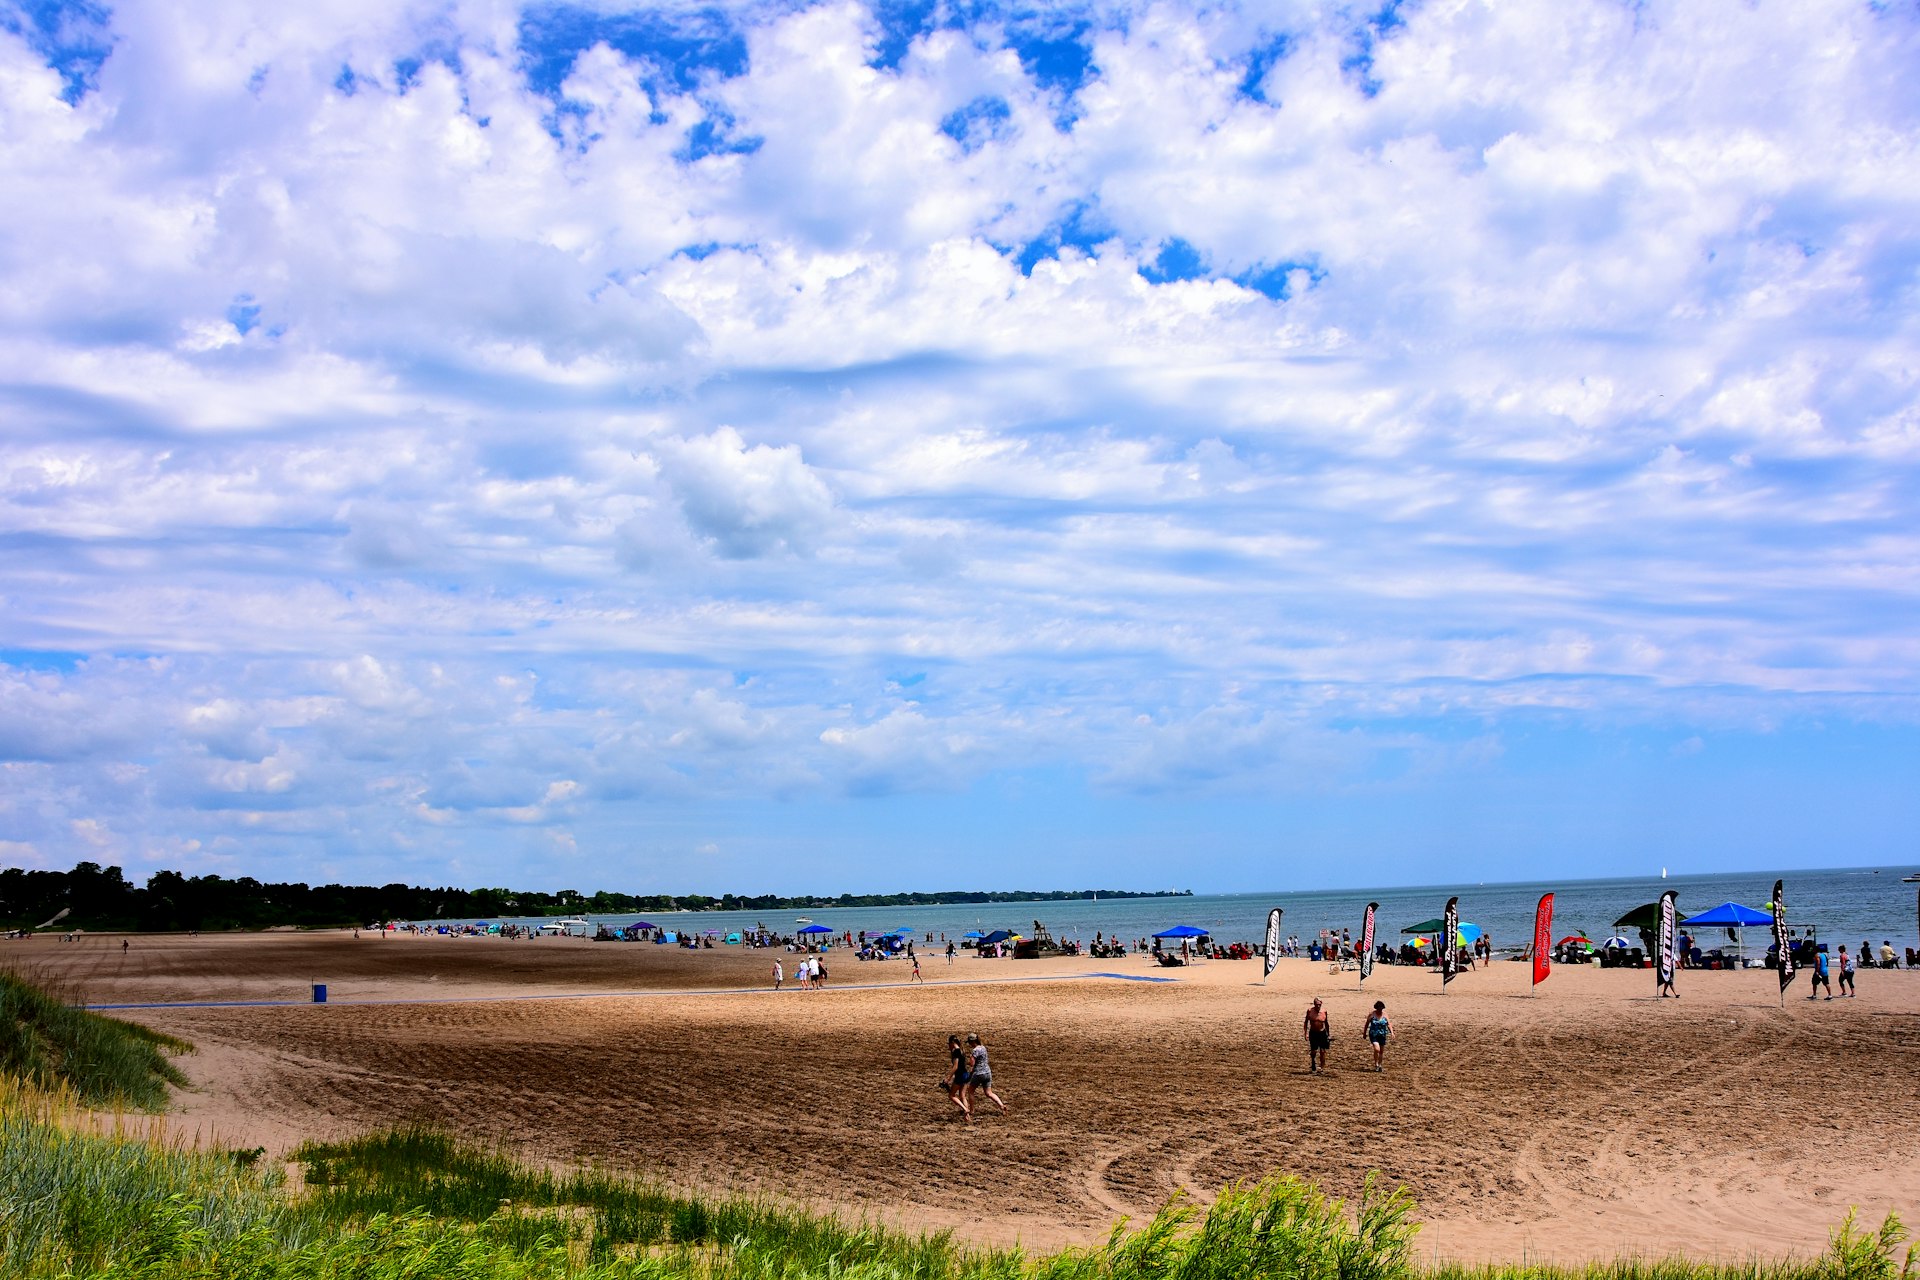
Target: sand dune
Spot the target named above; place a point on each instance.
(1583, 1121)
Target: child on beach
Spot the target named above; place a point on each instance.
(1378, 1029)
(916, 969)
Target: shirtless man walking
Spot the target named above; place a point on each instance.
(1319, 1033)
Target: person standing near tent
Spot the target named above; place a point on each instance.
(1378, 1029)
(1846, 972)
(1318, 1030)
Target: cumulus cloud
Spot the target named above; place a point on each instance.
(489, 431)
(748, 501)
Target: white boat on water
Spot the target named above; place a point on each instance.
(1912, 879)
(571, 928)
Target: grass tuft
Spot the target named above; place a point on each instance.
(106, 1062)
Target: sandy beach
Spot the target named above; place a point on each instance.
(1583, 1121)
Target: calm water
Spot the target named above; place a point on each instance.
(1845, 906)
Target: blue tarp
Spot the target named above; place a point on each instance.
(1730, 914)
(1182, 931)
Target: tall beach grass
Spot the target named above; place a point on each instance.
(46, 1041)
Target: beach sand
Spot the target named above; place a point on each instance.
(1584, 1121)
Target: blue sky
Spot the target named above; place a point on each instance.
(836, 447)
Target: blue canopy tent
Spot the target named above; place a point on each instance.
(998, 935)
(1182, 931)
(816, 928)
(1735, 919)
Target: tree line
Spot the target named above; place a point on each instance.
(102, 898)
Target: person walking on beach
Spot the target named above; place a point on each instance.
(980, 1074)
(1820, 978)
(1318, 1030)
(779, 975)
(1846, 972)
(916, 969)
(1378, 1029)
(956, 1077)
(949, 954)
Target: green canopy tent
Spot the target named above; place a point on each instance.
(1646, 920)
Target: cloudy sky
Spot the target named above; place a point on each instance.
(821, 447)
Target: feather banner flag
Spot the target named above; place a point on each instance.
(1542, 934)
(1450, 942)
(1782, 946)
(1273, 942)
(1664, 944)
(1366, 942)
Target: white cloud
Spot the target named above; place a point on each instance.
(435, 463)
(749, 501)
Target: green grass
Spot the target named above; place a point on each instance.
(605, 1216)
(78, 1192)
(106, 1062)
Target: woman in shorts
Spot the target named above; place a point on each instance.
(1378, 1029)
(980, 1074)
(957, 1075)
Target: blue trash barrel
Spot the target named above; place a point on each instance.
(319, 993)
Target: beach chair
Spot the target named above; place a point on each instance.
(1168, 960)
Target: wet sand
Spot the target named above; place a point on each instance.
(1585, 1121)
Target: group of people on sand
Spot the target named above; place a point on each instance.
(809, 974)
(1317, 1029)
(969, 1075)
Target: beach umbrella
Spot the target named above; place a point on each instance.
(1181, 931)
(1617, 941)
(973, 933)
(642, 924)
(998, 935)
(1580, 938)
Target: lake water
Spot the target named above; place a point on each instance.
(1846, 905)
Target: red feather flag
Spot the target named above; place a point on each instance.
(1542, 931)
